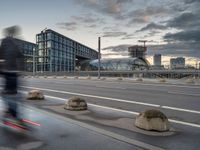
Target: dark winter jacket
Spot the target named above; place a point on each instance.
(11, 58)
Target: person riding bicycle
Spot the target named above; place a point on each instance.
(12, 63)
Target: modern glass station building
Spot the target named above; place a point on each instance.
(58, 53)
(117, 64)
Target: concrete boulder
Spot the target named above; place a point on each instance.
(76, 77)
(35, 95)
(139, 79)
(190, 81)
(88, 78)
(119, 78)
(103, 78)
(152, 120)
(162, 80)
(75, 104)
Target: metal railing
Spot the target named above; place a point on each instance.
(135, 73)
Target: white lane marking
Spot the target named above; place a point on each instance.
(30, 145)
(151, 84)
(167, 85)
(110, 87)
(123, 88)
(179, 93)
(131, 112)
(119, 100)
(94, 96)
(185, 123)
(181, 109)
(124, 111)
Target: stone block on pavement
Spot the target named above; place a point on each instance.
(35, 95)
(152, 120)
(88, 77)
(119, 78)
(76, 103)
(190, 81)
(103, 78)
(162, 80)
(139, 79)
(76, 77)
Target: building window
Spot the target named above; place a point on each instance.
(49, 44)
(48, 36)
(40, 45)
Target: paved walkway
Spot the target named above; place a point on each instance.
(61, 133)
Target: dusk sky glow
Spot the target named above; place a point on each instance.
(171, 27)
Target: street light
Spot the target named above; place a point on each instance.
(99, 56)
(34, 62)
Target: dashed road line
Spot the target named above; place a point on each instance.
(94, 96)
(131, 112)
(118, 100)
(181, 93)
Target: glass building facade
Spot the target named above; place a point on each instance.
(27, 48)
(119, 64)
(56, 52)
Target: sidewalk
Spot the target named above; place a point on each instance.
(57, 132)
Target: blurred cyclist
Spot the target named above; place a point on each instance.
(12, 63)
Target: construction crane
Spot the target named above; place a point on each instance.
(143, 41)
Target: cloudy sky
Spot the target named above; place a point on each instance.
(171, 27)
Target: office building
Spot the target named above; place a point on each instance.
(177, 63)
(137, 51)
(57, 52)
(27, 48)
(157, 60)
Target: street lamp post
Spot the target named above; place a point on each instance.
(99, 57)
(34, 62)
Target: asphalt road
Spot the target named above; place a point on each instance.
(177, 101)
(181, 103)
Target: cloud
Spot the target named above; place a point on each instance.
(152, 33)
(152, 26)
(118, 48)
(140, 20)
(191, 1)
(188, 24)
(113, 34)
(71, 26)
(169, 49)
(144, 15)
(85, 20)
(150, 11)
(113, 8)
(186, 20)
(184, 36)
(175, 49)
(111, 28)
(129, 36)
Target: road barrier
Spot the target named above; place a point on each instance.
(131, 74)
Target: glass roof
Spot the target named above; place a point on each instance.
(115, 64)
